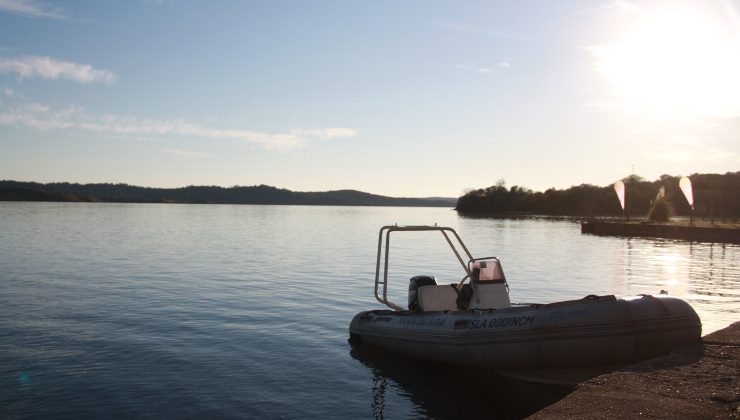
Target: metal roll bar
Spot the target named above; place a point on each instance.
(385, 231)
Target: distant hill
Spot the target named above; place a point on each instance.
(23, 194)
(260, 194)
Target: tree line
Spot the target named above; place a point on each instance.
(716, 195)
(259, 194)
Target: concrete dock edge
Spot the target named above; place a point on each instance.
(690, 383)
(700, 232)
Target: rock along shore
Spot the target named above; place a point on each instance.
(690, 383)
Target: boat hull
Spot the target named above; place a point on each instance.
(588, 334)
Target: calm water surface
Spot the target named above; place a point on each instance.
(147, 310)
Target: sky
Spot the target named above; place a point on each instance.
(400, 98)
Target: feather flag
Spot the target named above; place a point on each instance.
(685, 185)
(619, 189)
(661, 194)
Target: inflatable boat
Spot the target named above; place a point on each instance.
(473, 323)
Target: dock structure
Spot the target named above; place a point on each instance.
(690, 383)
(698, 232)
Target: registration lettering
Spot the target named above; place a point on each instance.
(512, 321)
(429, 322)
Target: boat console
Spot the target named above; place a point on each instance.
(490, 290)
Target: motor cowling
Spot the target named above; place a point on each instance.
(414, 284)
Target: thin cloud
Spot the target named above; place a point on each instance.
(43, 118)
(685, 152)
(31, 8)
(326, 133)
(623, 6)
(606, 106)
(31, 66)
(476, 30)
(188, 155)
(484, 69)
(619, 6)
(731, 13)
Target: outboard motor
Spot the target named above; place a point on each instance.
(414, 284)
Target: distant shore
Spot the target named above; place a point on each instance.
(259, 194)
(714, 195)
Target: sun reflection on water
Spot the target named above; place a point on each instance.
(704, 274)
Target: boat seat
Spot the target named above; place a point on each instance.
(437, 298)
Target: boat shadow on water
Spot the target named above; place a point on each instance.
(446, 391)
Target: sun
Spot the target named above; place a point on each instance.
(676, 63)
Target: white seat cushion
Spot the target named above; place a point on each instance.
(437, 298)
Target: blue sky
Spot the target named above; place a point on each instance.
(401, 98)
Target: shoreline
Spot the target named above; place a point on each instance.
(695, 382)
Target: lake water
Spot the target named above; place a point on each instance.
(153, 310)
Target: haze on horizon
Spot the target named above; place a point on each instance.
(413, 98)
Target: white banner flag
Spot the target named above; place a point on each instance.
(619, 189)
(685, 185)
